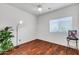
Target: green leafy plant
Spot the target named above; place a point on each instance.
(5, 39)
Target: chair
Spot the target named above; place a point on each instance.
(72, 36)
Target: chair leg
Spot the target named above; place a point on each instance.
(77, 46)
(67, 46)
(68, 43)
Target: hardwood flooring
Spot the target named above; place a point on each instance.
(40, 47)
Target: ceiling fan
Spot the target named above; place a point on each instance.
(40, 7)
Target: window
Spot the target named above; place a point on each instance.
(61, 25)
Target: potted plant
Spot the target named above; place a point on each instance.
(5, 39)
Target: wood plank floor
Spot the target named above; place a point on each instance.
(40, 47)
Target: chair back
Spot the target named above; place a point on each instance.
(72, 33)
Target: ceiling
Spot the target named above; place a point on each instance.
(32, 7)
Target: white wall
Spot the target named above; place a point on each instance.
(10, 16)
(43, 24)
